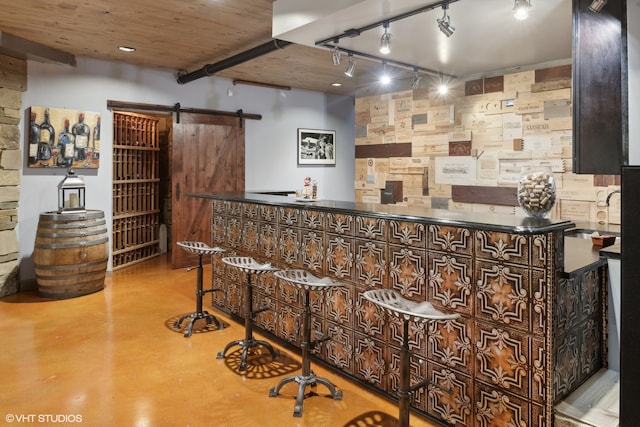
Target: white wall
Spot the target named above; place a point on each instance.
(270, 143)
(271, 156)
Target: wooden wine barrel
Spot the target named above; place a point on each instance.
(71, 253)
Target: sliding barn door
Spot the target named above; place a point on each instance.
(207, 157)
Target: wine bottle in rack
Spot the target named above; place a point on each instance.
(34, 139)
(47, 138)
(96, 140)
(82, 133)
(66, 142)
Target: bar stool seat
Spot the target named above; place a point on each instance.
(200, 249)
(408, 311)
(248, 266)
(307, 282)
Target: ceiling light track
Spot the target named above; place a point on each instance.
(397, 64)
(354, 32)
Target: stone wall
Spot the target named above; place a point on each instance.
(464, 151)
(13, 81)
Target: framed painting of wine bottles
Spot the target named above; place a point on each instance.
(61, 138)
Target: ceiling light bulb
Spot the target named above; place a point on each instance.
(385, 40)
(443, 89)
(351, 67)
(335, 56)
(597, 5)
(521, 9)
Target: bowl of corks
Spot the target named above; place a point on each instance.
(536, 191)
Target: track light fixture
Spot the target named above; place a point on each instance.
(444, 23)
(597, 5)
(385, 40)
(335, 55)
(416, 79)
(351, 67)
(521, 9)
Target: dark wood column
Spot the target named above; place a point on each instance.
(630, 333)
(600, 142)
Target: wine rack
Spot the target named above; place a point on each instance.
(136, 188)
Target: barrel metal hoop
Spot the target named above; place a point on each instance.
(67, 225)
(73, 216)
(62, 268)
(72, 234)
(71, 245)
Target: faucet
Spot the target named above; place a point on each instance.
(611, 194)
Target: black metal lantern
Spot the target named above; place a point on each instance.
(71, 194)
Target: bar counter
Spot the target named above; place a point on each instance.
(529, 333)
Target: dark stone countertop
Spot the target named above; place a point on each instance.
(612, 251)
(580, 255)
(505, 223)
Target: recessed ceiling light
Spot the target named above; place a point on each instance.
(127, 48)
(336, 84)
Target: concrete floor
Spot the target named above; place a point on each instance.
(111, 358)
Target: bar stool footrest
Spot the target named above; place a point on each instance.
(259, 310)
(320, 340)
(246, 345)
(210, 318)
(303, 381)
(206, 291)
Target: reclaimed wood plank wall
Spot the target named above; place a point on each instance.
(497, 126)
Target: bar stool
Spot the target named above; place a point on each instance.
(249, 266)
(306, 282)
(409, 311)
(200, 249)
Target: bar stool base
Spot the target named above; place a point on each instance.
(210, 318)
(303, 381)
(246, 345)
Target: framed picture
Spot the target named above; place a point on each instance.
(316, 147)
(61, 138)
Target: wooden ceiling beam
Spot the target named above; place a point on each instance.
(18, 47)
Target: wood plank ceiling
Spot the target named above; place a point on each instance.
(189, 34)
